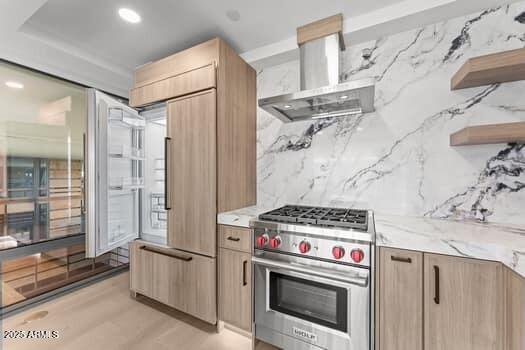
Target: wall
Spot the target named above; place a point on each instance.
(398, 160)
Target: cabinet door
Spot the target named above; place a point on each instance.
(235, 288)
(515, 310)
(400, 299)
(463, 304)
(191, 177)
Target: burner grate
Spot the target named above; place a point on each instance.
(332, 217)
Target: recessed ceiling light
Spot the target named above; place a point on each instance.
(233, 15)
(287, 106)
(344, 97)
(129, 15)
(14, 84)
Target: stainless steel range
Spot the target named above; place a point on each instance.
(313, 281)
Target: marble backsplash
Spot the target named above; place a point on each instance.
(398, 160)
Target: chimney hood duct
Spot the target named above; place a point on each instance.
(322, 94)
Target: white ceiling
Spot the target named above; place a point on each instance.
(170, 26)
(86, 41)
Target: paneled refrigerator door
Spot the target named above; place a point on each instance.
(115, 173)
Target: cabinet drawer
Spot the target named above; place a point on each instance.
(181, 280)
(192, 81)
(236, 238)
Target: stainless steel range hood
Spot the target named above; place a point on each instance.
(322, 94)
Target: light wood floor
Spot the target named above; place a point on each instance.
(104, 316)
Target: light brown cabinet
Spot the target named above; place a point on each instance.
(177, 64)
(181, 280)
(193, 182)
(438, 302)
(210, 168)
(194, 80)
(141, 270)
(463, 303)
(515, 311)
(235, 288)
(212, 66)
(235, 238)
(400, 304)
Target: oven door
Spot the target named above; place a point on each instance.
(318, 303)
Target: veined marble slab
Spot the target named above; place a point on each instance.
(398, 159)
(240, 217)
(485, 241)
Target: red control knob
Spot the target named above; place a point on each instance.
(338, 252)
(357, 255)
(261, 241)
(275, 242)
(304, 247)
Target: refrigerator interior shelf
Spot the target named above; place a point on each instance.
(124, 156)
(120, 117)
(129, 183)
(126, 187)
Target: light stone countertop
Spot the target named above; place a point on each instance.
(487, 241)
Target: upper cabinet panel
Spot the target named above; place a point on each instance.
(178, 85)
(181, 62)
(183, 73)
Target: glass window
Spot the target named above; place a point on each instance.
(26, 277)
(42, 123)
(316, 302)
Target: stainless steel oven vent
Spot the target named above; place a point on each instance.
(322, 93)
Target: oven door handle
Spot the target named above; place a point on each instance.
(356, 280)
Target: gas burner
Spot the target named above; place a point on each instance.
(319, 216)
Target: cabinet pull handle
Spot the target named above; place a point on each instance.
(401, 259)
(167, 194)
(244, 266)
(234, 239)
(161, 252)
(436, 284)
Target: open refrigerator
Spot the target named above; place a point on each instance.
(125, 174)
